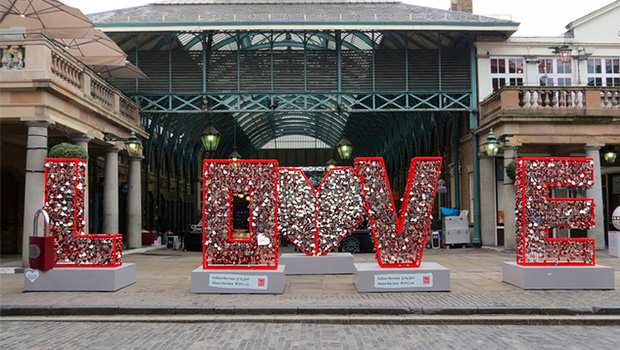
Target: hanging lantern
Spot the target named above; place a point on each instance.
(210, 138)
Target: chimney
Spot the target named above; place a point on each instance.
(462, 6)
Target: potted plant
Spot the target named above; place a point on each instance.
(510, 170)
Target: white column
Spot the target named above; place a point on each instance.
(134, 205)
(487, 200)
(110, 192)
(510, 154)
(82, 140)
(596, 192)
(34, 188)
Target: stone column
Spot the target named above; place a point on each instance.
(82, 140)
(134, 205)
(596, 192)
(487, 200)
(510, 154)
(34, 188)
(110, 192)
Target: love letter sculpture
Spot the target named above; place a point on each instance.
(315, 221)
(399, 243)
(223, 179)
(536, 213)
(64, 201)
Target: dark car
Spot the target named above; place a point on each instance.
(359, 241)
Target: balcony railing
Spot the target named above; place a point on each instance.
(40, 59)
(547, 100)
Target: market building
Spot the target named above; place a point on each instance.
(293, 80)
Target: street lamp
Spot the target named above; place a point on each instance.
(610, 155)
(134, 146)
(345, 148)
(210, 139)
(491, 145)
(562, 51)
(331, 164)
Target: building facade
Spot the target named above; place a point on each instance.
(551, 96)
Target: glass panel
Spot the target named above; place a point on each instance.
(545, 66)
(594, 65)
(595, 81)
(564, 67)
(516, 81)
(546, 81)
(494, 65)
(498, 65)
(498, 83)
(564, 81)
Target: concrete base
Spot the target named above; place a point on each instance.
(429, 277)
(80, 279)
(558, 277)
(330, 264)
(227, 281)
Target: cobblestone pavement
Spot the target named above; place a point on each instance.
(163, 279)
(221, 336)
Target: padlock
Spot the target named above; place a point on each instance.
(41, 248)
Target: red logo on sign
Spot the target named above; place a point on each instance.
(261, 282)
(427, 280)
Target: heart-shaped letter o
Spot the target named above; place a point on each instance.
(316, 221)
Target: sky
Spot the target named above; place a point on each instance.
(537, 17)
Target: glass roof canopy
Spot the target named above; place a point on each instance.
(268, 70)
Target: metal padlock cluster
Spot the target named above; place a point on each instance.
(41, 251)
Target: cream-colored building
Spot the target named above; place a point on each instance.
(51, 97)
(551, 96)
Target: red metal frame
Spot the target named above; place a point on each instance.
(522, 171)
(253, 240)
(116, 238)
(401, 217)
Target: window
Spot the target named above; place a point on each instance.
(554, 72)
(506, 71)
(604, 72)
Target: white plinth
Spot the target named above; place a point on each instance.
(330, 264)
(614, 243)
(228, 281)
(429, 277)
(80, 279)
(558, 277)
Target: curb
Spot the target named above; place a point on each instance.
(77, 310)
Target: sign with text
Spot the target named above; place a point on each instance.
(225, 280)
(409, 280)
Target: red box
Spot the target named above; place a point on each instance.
(148, 237)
